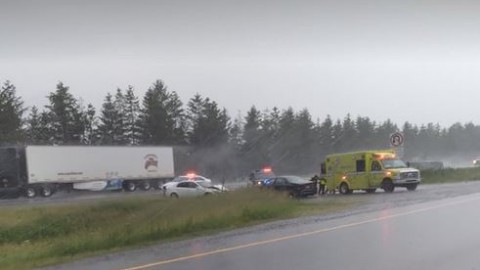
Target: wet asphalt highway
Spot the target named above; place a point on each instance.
(436, 227)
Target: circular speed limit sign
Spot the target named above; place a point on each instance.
(396, 139)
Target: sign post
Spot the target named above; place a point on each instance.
(396, 141)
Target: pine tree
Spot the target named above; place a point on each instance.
(66, 117)
(39, 128)
(11, 115)
(132, 112)
(161, 118)
(111, 130)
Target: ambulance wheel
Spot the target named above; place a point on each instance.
(388, 186)
(411, 187)
(344, 188)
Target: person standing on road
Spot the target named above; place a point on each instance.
(323, 183)
(315, 180)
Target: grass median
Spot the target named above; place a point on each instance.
(33, 237)
(450, 175)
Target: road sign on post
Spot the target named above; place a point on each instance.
(396, 139)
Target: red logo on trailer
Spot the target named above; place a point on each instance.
(151, 162)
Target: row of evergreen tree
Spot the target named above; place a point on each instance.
(207, 139)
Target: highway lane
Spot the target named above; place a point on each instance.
(440, 234)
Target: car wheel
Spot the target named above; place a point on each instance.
(344, 188)
(174, 195)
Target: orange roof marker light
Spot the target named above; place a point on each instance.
(380, 156)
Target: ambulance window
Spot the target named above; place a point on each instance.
(376, 166)
(361, 165)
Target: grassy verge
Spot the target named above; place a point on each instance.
(449, 175)
(39, 236)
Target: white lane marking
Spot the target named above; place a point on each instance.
(288, 237)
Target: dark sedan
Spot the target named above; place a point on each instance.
(294, 186)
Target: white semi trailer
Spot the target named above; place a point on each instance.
(33, 170)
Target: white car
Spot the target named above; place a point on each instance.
(189, 189)
(188, 177)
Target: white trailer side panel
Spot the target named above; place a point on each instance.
(69, 164)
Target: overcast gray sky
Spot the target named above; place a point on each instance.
(415, 61)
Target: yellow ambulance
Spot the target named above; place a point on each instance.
(368, 170)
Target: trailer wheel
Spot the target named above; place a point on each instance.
(146, 185)
(130, 186)
(344, 188)
(47, 191)
(31, 192)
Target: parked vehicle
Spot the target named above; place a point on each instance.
(188, 188)
(192, 177)
(33, 170)
(257, 176)
(294, 186)
(188, 177)
(368, 170)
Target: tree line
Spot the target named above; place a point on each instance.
(208, 140)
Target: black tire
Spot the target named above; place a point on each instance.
(343, 189)
(46, 191)
(130, 186)
(31, 192)
(146, 185)
(412, 187)
(388, 186)
(174, 195)
(371, 190)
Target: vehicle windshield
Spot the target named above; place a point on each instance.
(393, 163)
